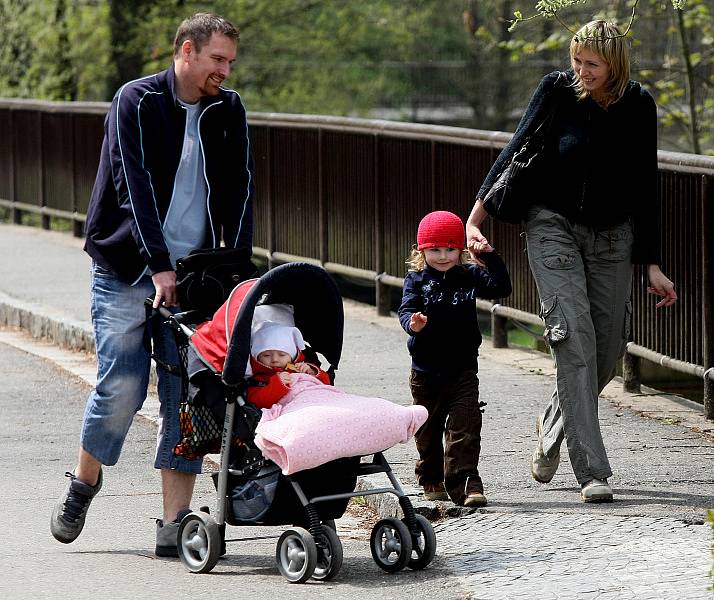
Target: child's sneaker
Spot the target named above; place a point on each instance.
(474, 499)
(435, 491)
(71, 510)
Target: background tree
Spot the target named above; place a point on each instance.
(451, 62)
(677, 48)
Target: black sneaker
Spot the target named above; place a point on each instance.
(70, 512)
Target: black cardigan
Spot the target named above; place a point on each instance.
(603, 161)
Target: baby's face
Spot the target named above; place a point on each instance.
(275, 359)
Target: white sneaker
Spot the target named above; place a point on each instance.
(543, 468)
(596, 490)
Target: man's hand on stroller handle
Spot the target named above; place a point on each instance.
(165, 285)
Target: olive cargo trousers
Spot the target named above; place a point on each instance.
(584, 280)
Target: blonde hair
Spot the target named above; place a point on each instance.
(417, 259)
(605, 39)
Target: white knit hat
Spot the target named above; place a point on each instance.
(273, 336)
(273, 313)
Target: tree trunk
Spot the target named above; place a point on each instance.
(503, 86)
(693, 121)
(127, 53)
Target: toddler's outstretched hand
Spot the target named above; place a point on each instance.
(285, 378)
(417, 321)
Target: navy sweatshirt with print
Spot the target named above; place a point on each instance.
(450, 340)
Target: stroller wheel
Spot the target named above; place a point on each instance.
(296, 555)
(329, 554)
(330, 523)
(391, 544)
(199, 542)
(423, 545)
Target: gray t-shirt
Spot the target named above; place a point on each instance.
(185, 224)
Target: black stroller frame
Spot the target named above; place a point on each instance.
(310, 548)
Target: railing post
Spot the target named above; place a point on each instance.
(433, 175)
(44, 217)
(499, 331)
(268, 165)
(77, 225)
(708, 295)
(16, 212)
(322, 208)
(631, 381)
(383, 294)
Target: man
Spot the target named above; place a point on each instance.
(175, 174)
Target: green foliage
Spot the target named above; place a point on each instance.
(54, 49)
(681, 79)
(440, 61)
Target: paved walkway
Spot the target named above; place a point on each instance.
(532, 540)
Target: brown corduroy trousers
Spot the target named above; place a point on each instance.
(449, 442)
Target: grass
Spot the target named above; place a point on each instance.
(31, 219)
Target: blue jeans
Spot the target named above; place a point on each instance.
(123, 366)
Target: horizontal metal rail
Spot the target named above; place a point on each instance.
(43, 210)
(490, 307)
(348, 193)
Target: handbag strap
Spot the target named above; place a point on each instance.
(544, 127)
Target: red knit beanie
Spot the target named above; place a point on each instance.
(441, 229)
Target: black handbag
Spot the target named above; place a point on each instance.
(510, 196)
(205, 278)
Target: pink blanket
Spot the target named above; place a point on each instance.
(316, 423)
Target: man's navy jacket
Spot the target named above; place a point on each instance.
(143, 138)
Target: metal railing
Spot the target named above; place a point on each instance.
(349, 193)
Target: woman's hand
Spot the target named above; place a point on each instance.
(660, 285)
(417, 322)
(476, 242)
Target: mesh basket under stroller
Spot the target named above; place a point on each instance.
(216, 417)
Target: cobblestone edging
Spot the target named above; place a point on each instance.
(568, 556)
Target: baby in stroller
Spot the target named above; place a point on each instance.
(276, 351)
(317, 464)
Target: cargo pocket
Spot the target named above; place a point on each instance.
(614, 244)
(557, 254)
(556, 327)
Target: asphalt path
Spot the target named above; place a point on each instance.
(41, 407)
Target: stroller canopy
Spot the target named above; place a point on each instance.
(318, 313)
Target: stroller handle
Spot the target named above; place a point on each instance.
(162, 310)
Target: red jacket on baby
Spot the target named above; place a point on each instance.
(265, 387)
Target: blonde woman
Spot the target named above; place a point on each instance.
(593, 217)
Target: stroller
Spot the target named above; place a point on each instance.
(252, 490)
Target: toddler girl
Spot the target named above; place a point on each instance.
(438, 311)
